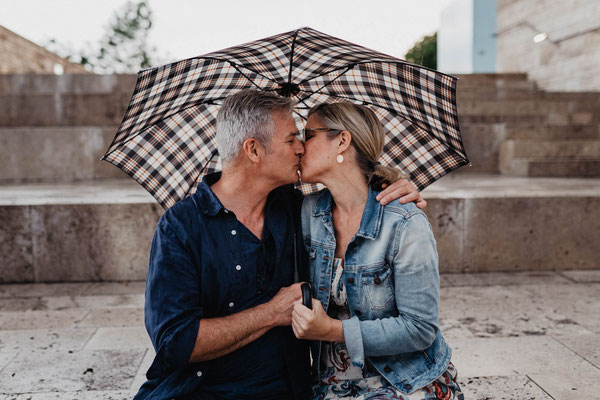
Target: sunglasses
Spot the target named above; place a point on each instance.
(304, 134)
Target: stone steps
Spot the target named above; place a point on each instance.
(550, 158)
(55, 154)
(102, 230)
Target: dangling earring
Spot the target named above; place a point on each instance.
(340, 159)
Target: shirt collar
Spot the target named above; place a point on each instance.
(370, 222)
(208, 202)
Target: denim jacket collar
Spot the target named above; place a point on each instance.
(372, 215)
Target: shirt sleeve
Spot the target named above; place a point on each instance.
(416, 288)
(172, 307)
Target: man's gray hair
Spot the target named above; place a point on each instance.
(248, 114)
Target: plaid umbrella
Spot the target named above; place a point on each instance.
(166, 140)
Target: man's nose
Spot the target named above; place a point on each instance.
(299, 148)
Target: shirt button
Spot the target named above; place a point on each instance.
(357, 312)
(226, 211)
(388, 369)
(231, 304)
(238, 267)
(408, 386)
(233, 232)
(199, 373)
(351, 281)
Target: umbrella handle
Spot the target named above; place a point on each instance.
(306, 297)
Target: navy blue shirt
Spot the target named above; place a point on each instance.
(204, 263)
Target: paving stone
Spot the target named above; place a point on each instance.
(579, 303)
(42, 289)
(501, 388)
(119, 338)
(583, 276)
(131, 287)
(122, 317)
(46, 371)
(6, 356)
(515, 356)
(140, 377)
(79, 395)
(110, 301)
(16, 246)
(44, 339)
(48, 319)
(582, 384)
(587, 346)
(502, 311)
(505, 278)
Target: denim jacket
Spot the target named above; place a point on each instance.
(392, 283)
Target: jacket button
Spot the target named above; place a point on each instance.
(351, 281)
(388, 369)
(377, 280)
(357, 312)
(407, 387)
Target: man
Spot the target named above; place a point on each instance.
(220, 286)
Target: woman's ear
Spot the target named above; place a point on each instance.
(253, 149)
(345, 138)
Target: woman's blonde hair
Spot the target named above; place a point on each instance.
(367, 138)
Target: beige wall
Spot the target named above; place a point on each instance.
(570, 65)
(21, 56)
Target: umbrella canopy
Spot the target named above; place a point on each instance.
(166, 140)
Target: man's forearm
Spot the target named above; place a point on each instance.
(220, 336)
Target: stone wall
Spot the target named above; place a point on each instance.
(568, 60)
(21, 56)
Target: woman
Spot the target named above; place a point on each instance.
(374, 271)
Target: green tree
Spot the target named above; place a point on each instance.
(424, 52)
(124, 48)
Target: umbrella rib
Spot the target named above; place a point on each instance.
(292, 56)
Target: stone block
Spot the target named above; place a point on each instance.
(564, 168)
(44, 339)
(532, 233)
(140, 377)
(447, 222)
(506, 278)
(113, 288)
(91, 242)
(587, 346)
(76, 395)
(55, 154)
(48, 319)
(24, 290)
(16, 245)
(48, 370)
(503, 311)
(578, 304)
(120, 317)
(584, 276)
(516, 387)
(119, 338)
(482, 143)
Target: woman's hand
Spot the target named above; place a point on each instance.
(315, 324)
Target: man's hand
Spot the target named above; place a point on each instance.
(282, 304)
(404, 190)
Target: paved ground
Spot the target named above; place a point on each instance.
(526, 335)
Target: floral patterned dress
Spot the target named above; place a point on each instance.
(339, 379)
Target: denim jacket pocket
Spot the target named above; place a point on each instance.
(378, 284)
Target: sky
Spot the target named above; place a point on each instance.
(187, 28)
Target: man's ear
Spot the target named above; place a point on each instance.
(344, 139)
(253, 149)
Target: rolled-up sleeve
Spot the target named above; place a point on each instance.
(416, 288)
(172, 307)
